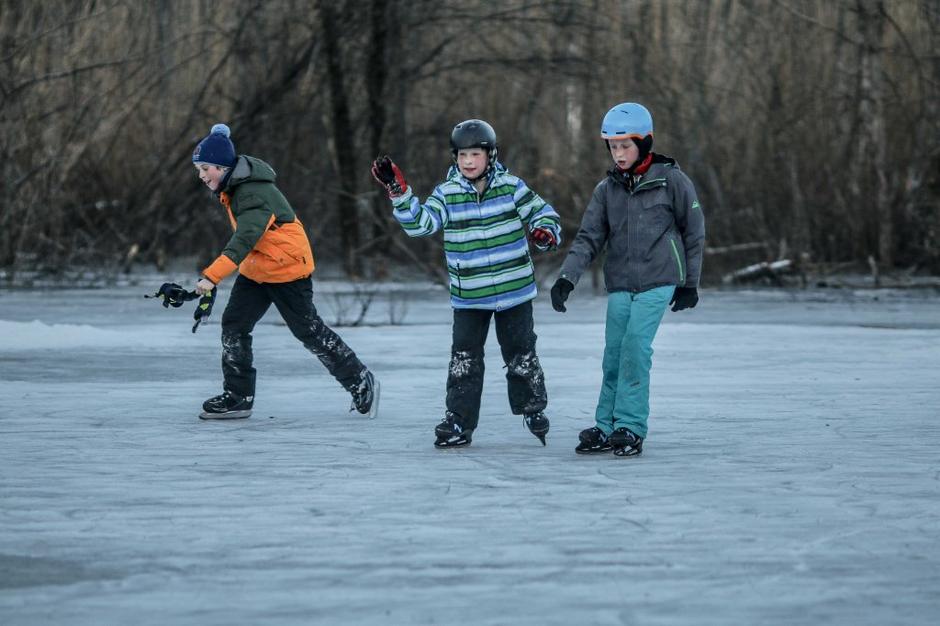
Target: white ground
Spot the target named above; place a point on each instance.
(791, 475)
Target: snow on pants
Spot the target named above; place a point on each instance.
(249, 301)
(515, 330)
(632, 322)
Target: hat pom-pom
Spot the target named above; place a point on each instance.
(221, 129)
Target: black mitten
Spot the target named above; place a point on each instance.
(560, 291)
(684, 298)
(173, 295)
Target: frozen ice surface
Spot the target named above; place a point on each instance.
(791, 475)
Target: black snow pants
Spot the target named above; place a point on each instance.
(515, 330)
(249, 301)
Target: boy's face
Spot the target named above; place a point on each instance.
(210, 175)
(472, 162)
(624, 152)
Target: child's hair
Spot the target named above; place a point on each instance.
(216, 148)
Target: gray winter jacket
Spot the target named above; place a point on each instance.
(654, 233)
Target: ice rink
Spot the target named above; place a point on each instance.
(791, 474)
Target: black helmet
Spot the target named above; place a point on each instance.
(474, 134)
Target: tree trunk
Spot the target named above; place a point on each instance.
(347, 210)
(376, 72)
(873, 139)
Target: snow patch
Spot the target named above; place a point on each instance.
(36, 335)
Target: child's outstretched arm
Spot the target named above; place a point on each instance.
(417, 220)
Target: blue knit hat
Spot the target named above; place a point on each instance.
(216, 148)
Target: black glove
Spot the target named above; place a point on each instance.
(173, 295)
(684, 298)
(387, 173)
(204, 308)
(560, 291)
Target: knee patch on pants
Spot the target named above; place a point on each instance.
(465, 364)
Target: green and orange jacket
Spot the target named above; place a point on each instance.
(269, 244)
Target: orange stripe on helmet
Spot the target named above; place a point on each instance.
(624, 136)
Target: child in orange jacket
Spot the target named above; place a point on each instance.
(272, 253)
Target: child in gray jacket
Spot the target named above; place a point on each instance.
(647, 214)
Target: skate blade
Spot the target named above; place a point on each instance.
(231, 415)
(592, 450)
(376, 396)
(626, 452)
(456, 442)
(446, 445)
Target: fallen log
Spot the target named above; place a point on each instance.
(768, 269)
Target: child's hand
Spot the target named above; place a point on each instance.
(684, 298)
(543, 239)
(387, 173)
(560, 292)
(204, 286)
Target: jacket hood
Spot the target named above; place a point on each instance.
(250, 169)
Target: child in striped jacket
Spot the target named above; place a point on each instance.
(486, 214)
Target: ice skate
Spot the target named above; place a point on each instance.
(592, 441)
(227, 406)
(537, 424)
(450, 434)
(365, 396)
(626, 443)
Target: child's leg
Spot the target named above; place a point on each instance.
(618, 316)
(515, 329)
(246, 305)
(465, 374)
(294, 301)
(632, 406)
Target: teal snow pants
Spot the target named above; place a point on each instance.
(632, 322)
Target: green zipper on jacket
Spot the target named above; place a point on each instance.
(675, 251)
(646, 183)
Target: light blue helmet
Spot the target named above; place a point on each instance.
(627, 120)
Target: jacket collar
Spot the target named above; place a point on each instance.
(654, 169)
(496, 172)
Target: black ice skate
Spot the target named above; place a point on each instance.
(592, 441)
(626, 443)
(537, 424)
(227, 406)
(450, 434)
(365, 396)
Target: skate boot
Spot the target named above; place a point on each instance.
(450, 434)
(365, 396)
(537, 424)
(228, 406)
(625, 442)
(592, 441)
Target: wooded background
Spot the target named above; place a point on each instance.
(810, 128)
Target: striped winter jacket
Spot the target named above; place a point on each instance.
(485, 240)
